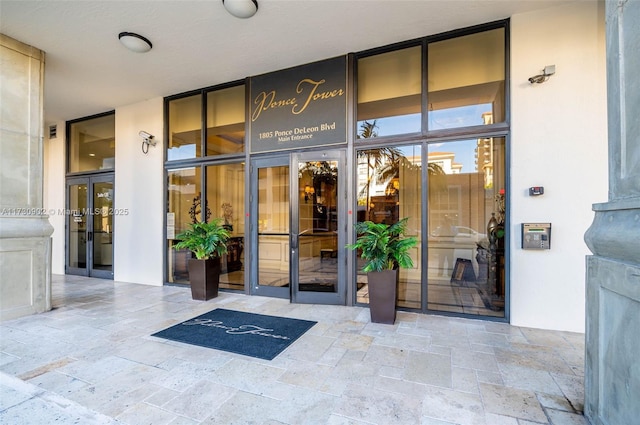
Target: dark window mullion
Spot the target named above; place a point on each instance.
(203, 120)
(203, 193)
(425, 86)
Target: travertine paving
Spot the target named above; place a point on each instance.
(92, 360)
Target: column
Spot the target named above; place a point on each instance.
(612, 363)
(25, 232)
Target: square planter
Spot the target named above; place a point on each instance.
(382, 296)
(204, 277)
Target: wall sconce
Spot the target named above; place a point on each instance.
(393, 187)
(308, 192)
(548, 71)
(241, 8)
(147, 139)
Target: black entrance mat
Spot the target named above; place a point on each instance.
(255, 335)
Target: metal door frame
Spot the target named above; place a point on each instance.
(291, 292)
(254, 287)
(340, 296)
(89, 182)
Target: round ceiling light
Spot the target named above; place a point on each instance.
(241, 8)
(135, 42)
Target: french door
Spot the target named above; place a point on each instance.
(89, 224)
(298, 210)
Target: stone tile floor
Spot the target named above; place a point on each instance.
(91, 360)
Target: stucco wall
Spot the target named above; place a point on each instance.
(54, 192)
(138, 243)
(559, 141)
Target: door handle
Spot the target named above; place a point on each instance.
(294, 242)
(89, 236)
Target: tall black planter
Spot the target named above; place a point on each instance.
(204, 276)
(382, 296)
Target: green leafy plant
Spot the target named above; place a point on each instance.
(384, 246)
(205, 240)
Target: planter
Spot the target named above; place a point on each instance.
(204, 277)
(382, 296)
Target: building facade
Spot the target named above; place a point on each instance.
(549, 135)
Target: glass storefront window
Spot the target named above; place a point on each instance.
(466, 220)
(225, 198)
(225, 121)
(463, 270)
(184, 207)
(92, 144)
(389, 189)
(389, 88)
(466, 79)
(185, 128)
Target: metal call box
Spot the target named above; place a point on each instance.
(536, 235)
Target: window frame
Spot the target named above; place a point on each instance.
(68, 142)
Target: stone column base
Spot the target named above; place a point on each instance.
(25, 266)
(612, 363)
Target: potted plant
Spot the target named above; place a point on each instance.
(385, 249)
(208, 242)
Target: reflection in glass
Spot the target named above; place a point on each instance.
(273, 226)
(389, 88)
(466, 78)
(318, 226)
(103, 226)
(225, 121)
(77, 226)
(185, 128)
(465, 260)
(225, 198)
(184, 207)
(92, 144)
(389, 189)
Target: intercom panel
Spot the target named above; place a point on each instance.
(536, 235)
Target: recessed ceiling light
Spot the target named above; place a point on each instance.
(135, 42)
(92, 154)
(241, 8)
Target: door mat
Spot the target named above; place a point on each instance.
(249, 334)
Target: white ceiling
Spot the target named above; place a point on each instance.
(198, 44)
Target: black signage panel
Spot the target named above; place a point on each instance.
(299, 107)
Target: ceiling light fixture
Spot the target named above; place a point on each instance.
(135, 42)
(241, 8)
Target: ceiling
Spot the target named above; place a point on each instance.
(198, 44)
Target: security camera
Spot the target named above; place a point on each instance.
(147, 139)
(548, 71)
(145, 135)
(538, 79)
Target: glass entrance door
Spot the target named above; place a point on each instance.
(298, 228)
(90, 226)
(317, 229)
(270, 209)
